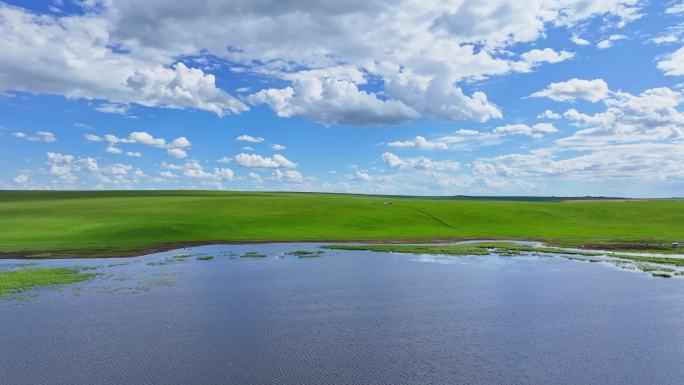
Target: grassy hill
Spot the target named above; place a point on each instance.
(109, 223)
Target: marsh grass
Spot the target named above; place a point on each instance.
(205, 258)
(507, 249)
(170, 260)
(306, 254)
(15, 282)
(253, 254)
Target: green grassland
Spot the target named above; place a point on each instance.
(45, 224)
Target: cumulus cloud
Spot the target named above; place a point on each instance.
(419, 142)
(548, 114)
(536, 131)
(177, 148)
(573, 89)
(277, 147)
(418, 54)
(636, 137)
(193, 169)
(332, 97)
(673, 64)
(67, 55)
(394, 161)
(289, 176)
(40, 136)
(610, 41)
(643, 161)
(92, 138)
(675, 9)
(535, 57)
(113, 108)
(652, 116)
(249, 138)
(22, 179)
(178, 153)
(258, 161)
(69, 170)
(578, 40)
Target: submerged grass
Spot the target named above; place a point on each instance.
(15, 282)
(205, 258)
(170, 260)
(253, 254)
(511, 249)
(480, 248)
(306, 253)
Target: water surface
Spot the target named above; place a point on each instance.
(347, 317)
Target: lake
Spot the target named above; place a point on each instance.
(345, 317)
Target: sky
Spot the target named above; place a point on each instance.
(463, 97)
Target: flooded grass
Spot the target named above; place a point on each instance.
(175, 259)
(15, 282)
(253, 254)
(306, 254)
(205, 258)
(652, 265)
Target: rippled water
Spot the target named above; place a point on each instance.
(347, 317)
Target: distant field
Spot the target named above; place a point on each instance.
(111, 223)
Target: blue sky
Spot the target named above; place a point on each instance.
(495, 97)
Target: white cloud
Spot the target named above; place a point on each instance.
(288, 176)
(573, 89)
(536, 131)
(665, 39)
(362, 176)
(57, 158)
(419, 142)
(181, 142)
(249, 138)
(69, 170)
(578, 40)
(92, 138)
(610, 41)
(40, 136)
(548, 114)
(177, 153)
(332, 97)
(254, 177)
(394, 161)
(277, 147)
(90, 164)
(643, 161)
(22, 179)
(193, 169)
(673, 64)
(176, 148)
(675, 9)
(258, 161)
(419, 53)
(113, 149)
(654, 115)
(68, 55)
(535, 57)
(113, 108)
(145, 138)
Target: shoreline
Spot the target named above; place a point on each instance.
(614, 246)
